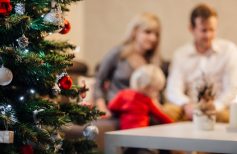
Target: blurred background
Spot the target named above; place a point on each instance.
(99, 25)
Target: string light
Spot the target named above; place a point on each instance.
(32, 91)
(9, 106)
(21, 98)
(26, 51)
(28, 93)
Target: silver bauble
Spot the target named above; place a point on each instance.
(6, 76)
(23, 41)
(90, 132)
(55, 17)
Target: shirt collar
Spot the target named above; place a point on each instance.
(214, 49)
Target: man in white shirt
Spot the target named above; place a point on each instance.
(205, 57)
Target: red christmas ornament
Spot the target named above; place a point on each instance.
(65, 82)
(26, 149)
(66, 28)
(5, 7)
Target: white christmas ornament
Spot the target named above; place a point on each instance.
(20, 8)
(55, 16)
(6, 76)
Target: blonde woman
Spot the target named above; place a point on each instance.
(140, 47)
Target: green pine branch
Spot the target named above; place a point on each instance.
(56, 46)
(12, 28)
(80, 114)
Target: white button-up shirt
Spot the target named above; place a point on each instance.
(218, 66)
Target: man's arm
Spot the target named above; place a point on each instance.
(175, 90)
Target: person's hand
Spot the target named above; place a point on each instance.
(208, 107)
(107, 115)
(101, 105)
(188, 110)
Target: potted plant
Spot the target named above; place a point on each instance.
(204, 115)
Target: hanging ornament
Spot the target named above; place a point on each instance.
(8, 115)
(19, 8)
(55, 16)
(6, 76)
(26, 149)
(64, 81)
(58, 141)
(66, 28)
(56, 90)
(23, 41)
(8, 118)
(36, 120)
(90, 132)
(5, 7)
(6, 136)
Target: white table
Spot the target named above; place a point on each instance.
(177, 136)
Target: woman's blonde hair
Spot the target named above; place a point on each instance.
(144, 21)
(147, 75)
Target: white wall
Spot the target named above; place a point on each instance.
(98, 25)
(76, 17)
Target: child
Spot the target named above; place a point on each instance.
(134, 105)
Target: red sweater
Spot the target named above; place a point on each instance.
(134, 109)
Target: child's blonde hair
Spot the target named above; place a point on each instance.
(147, 75)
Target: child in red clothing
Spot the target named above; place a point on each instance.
(134, 105)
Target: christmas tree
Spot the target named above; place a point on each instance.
(32, 73)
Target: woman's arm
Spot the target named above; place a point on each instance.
(105, 72)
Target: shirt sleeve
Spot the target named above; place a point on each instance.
(229, 80)
(105, 72)
(175, 90)
(116, 103)
(159, 115)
